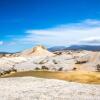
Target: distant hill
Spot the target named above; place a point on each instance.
(84, 47)
(5, 53)
(57, 48)
(76, 47)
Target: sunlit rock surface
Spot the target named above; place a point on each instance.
(30, 88)
(61, 60)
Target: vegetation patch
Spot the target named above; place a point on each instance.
(73, 76)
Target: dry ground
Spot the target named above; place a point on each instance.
(31, 88)
(74, 76)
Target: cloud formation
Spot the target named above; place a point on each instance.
(71, 33)
(83, 32)
(1, 42)
(93, 40)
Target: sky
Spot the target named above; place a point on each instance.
(27, 23)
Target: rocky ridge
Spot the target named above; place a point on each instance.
(39, 57)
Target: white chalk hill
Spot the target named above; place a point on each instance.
(36, 51)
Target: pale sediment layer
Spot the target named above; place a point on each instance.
(30, 88)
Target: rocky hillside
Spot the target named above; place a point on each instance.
(39, 58)
(36, 51)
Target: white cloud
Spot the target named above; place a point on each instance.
(65, 34)
(93, 40)
(1, 42)
(84, 32)
(92, 22)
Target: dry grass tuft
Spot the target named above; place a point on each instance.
(73, 76)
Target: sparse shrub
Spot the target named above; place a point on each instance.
(74, 68)
(1, 74)
(55, 62)
(44, 68)
(37, 68)
(13, 69)
(68, 53)
(58, 53)
(60, 69)
(82, 59)
(80, 62)
(98, 67)
(7, 72)
(2, 55)
(43, 61)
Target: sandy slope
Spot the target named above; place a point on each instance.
(39, 56)
(30, 88)
(36, 51)
(53, 62)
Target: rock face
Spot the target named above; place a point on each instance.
(30, 88)
(36, 51)
(39, 57)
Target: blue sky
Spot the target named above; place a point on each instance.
(26, 23)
